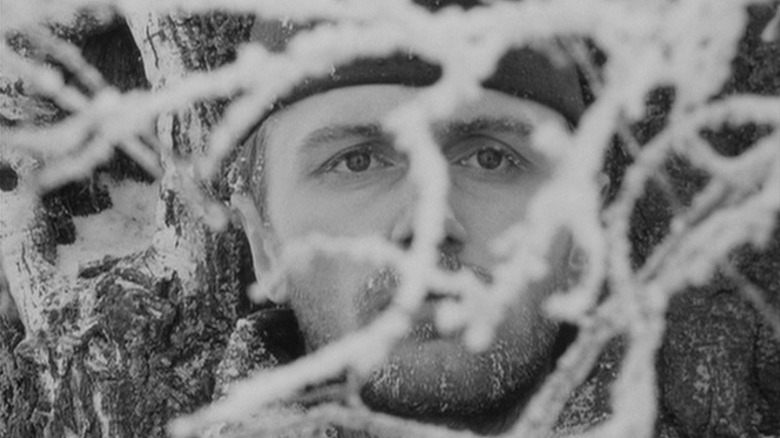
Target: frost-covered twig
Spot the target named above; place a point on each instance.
(359, 351)
(70, 57)
(571, 370)
(756, 296)
(42, 79)
(329, 415)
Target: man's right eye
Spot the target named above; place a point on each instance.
(358, 159)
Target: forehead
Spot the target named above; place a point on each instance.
(367, 105)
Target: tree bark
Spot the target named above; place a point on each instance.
(124, 342)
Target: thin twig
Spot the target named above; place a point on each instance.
(70, 57)
(573, 367)
(373, 423)
(756, 297)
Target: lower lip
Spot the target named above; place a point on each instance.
(423, 327)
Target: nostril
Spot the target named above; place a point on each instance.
(406, 242)
(451, 245)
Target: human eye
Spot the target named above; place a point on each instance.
(489, 156)
(358, 159)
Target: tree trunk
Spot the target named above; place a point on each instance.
(115, 340)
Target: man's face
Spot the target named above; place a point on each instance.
(332, 170)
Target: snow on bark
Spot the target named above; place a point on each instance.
(125, 296)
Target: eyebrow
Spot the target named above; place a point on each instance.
(329, 134)
(462, 128)
(444, 131)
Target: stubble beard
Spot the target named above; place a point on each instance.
(486, 388)
(433, 379)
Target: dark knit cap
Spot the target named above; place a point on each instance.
(522, 73)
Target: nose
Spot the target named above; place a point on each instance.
(454, 232)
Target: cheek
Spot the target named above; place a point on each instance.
(526, 325)
(323, 296)
(493, 219)
(319, 212)
(485, 219)
(527, 336)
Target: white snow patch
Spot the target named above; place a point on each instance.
(127, 227)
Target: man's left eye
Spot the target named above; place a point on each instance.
(488, 159)
(492, 157)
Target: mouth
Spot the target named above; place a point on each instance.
(381, 289)
(423, 320)
(424, 326)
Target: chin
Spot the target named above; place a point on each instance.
(440, 381)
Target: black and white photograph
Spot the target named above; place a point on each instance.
(390, 218)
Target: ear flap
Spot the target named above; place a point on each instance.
(260, 243)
